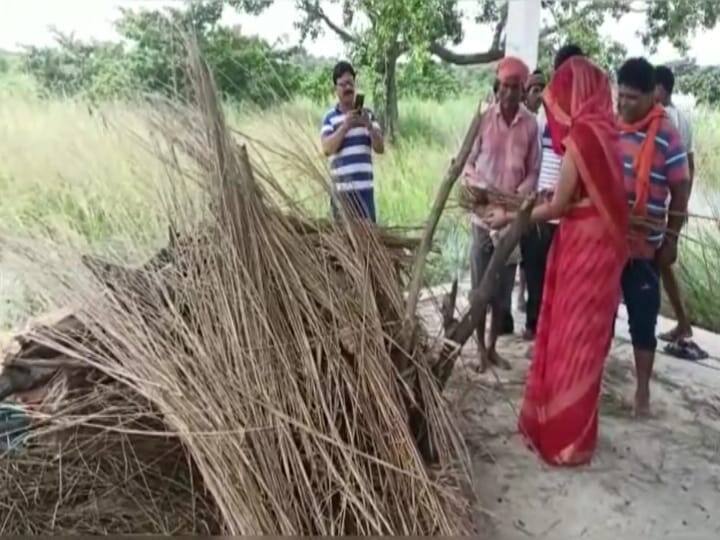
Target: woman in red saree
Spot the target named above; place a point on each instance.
(559, 416)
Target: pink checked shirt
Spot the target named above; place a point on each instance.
(505, 157)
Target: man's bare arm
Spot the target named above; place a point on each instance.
(331, 143)
(376, 136)
(679, 197)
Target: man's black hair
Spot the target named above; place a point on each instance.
(639, 74)
(566, 52)
(665, 78)
(538, 71)
(340, 69)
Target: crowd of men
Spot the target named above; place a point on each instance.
(514, 153)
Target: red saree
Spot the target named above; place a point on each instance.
(559, 416)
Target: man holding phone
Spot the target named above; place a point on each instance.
(349, 134)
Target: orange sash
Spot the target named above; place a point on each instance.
(642, 164)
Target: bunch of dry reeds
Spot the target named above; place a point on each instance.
(478, 199)
(247, 380)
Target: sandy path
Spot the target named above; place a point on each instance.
(659, 478)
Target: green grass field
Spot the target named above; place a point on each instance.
(84, 177)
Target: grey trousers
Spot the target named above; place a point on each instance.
(481, 249)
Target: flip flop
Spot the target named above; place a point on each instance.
(686, 349)
(670, 336)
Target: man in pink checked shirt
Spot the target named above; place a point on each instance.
(505, 156)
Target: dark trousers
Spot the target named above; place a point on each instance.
(534, 247)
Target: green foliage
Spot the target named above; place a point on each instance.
(153, 53)
(580, 22)
(701, 82)
(76, 67)
(676, 20)
(427, 79)
(576, 23)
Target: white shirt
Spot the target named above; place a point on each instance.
(682, 124)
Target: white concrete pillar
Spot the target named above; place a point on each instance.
(523, 31)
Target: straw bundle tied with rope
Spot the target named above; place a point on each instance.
(480, 199)
(247, 380)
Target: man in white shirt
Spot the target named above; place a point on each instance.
(665, 83)
(535, 245)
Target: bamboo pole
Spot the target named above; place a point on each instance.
(418, 268)
(457, 333)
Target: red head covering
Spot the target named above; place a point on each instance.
(511, 68)
(579, 107)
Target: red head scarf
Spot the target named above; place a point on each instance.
(511, 68)
(579, 107)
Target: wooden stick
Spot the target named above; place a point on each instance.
(457, 334)
(451, 176)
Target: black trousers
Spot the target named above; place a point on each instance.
(534, 247)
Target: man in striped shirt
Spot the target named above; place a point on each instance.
(656, 171)
(348, 138)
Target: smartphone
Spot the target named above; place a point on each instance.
(359, 102)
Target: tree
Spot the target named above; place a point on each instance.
(701, 82)
(152, 56)
(379, 32)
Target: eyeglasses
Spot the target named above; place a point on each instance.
(346, 84)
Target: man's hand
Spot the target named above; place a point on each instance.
(545, 195)
(352, 120)
(667, 254)
(364, 119)
(496, 218)
(524, 189)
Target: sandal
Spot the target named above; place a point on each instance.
(675, 335)
(686, 349)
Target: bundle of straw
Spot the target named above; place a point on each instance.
(245, 381)
(479, 199)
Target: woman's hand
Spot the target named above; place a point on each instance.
(496, 218)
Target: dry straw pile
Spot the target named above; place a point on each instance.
(246, 380)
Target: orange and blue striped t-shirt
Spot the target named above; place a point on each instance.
(669, 167)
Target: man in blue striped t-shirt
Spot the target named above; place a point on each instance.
(349, 137)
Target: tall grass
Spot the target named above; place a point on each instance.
(77, 174)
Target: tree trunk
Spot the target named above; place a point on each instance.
(385, 95)
(391, 96)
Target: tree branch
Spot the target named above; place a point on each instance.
(499, 28)
(314, 10)
(626, 5)
(458, 333)
(466, 59)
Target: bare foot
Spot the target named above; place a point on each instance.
(642, 405)
(676, 334)
(498, 361)
(483, 361)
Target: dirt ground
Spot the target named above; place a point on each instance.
(657, 478)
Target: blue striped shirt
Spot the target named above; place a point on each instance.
(669, 167)
(351, 166)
